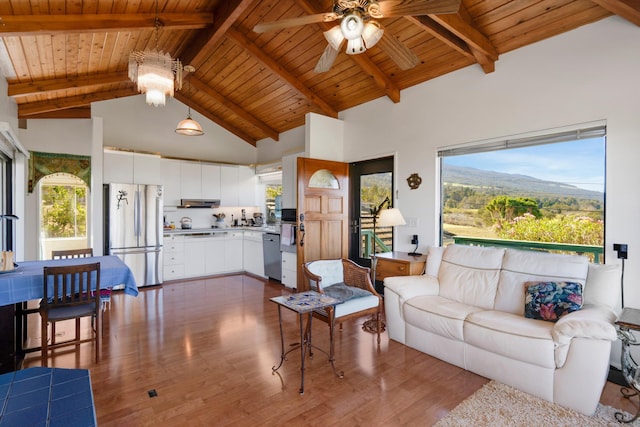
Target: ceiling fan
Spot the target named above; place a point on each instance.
(360, 28)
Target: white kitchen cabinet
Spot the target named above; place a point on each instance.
(229, 187)
(233, 248)
(246, 186)
(215, 254)
(237, 186)
(210, 181)
(190, 180)
(117, 167)
(147, 169)
(173, 257)
(289, 270)
(194, 256)
(253, 256)
(171, 181)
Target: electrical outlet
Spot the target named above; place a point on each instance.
(622, 250)
(412, 222)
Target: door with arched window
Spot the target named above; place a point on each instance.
(63, 218)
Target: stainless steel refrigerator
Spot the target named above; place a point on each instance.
(133, 229)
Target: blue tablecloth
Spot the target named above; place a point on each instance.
(47, 397)
(26, 282)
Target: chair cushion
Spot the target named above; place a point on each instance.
(70, 312)
(330, 270)
(356, 304)
(439, 315)
(343, 293)
(551, 300)
(603, 285)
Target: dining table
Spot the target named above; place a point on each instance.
(26, 283)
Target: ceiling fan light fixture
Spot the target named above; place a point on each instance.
(355, 46)
(352, 26)
(372, 34)
(334, 37)
(189, 127)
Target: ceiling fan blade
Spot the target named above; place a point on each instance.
(327, 59)
(393, 8)
(397, 51)
(295, 22)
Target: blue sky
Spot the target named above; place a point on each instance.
(579, 163)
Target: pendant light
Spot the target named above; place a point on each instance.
(188, 126)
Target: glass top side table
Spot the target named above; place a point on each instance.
(629, 321)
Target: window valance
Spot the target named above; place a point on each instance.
(43, 164)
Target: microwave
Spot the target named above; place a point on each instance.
(288, 215)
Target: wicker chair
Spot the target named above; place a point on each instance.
(347, 281)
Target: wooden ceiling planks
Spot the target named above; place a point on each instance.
(258, 85)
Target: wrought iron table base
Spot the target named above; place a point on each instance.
(630, 372)
(304, 345)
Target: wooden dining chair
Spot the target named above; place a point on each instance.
(105, 294)
(68, 295)
(72, 253)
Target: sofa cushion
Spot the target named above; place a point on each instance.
(469, 274)
(439, 315)
(512, 336)
(519, 267)
(551, 300)
(603, 285)
(434, 257)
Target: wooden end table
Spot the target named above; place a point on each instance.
(304, 303)
(629, 321)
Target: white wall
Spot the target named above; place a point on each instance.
(70, 137)
(131, 123)
(290, 142)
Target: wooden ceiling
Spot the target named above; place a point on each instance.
(59, 56)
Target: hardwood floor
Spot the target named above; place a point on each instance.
(207, 347)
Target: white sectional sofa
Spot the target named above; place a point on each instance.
(468, 310)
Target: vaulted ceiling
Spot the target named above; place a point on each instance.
(59, 56)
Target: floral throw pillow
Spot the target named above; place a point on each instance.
(551, 300)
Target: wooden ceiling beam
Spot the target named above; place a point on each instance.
(222, 123)
(236, 109)
(27, 109)
(445, 36)
(82, 112)
(207, 40)
(279, 70)
(461, 26)
(363, 61)
(627, 9)
(21, 25)
(53, 85)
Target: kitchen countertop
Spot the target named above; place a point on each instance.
(263, 229)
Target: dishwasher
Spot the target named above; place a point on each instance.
(272, 256)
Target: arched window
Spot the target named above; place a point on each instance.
(63, 200)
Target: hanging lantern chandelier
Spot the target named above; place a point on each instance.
(155, 73)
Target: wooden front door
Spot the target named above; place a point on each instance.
(323, 211)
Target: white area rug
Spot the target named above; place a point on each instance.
(497, 404)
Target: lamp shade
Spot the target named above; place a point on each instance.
(189, 127)
(372, 34)
(334, 37)
(390, 217)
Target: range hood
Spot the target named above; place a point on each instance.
(200, 203)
